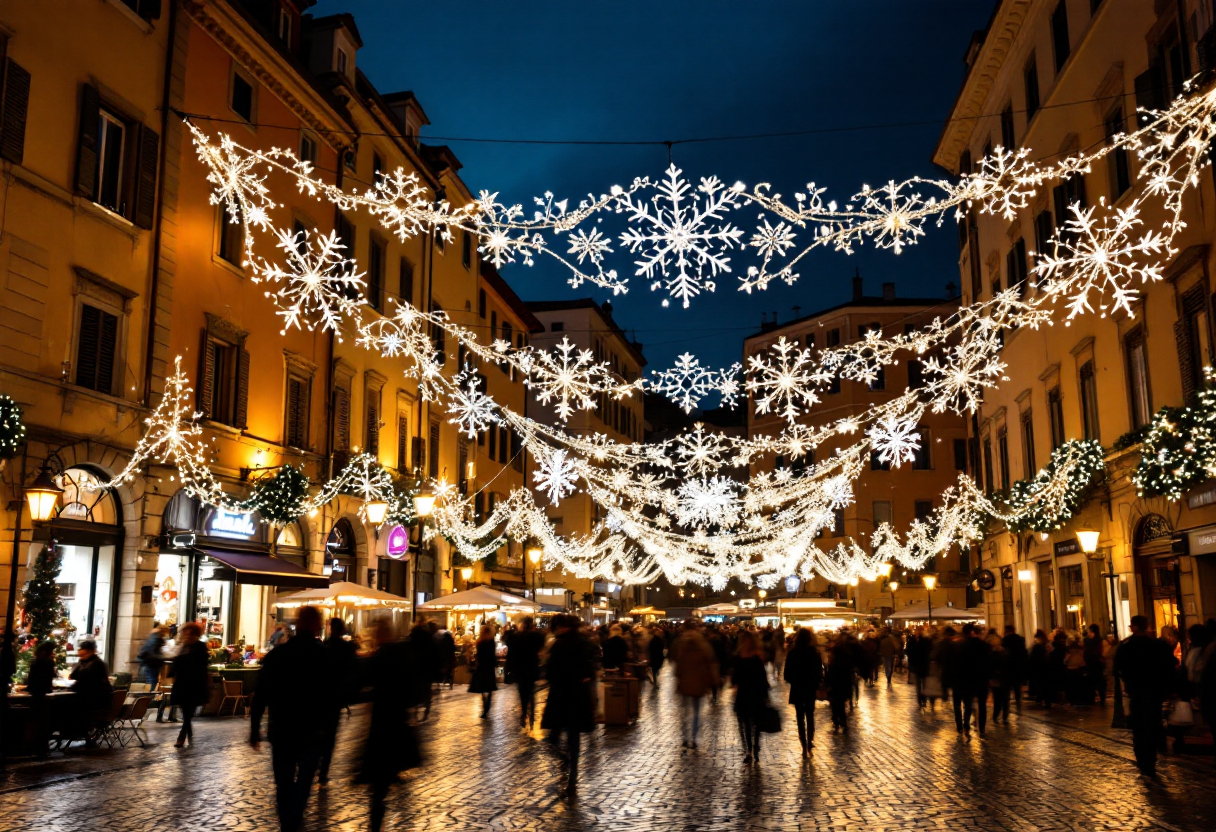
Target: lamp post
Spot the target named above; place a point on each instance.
(893, 586)
(41, 496)
(424, 505)
(1088, 539)
(930, 581)
(535, 552)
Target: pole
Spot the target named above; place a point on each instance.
(929, 596)
(1119, 718)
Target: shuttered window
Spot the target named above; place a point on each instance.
(1192, 338)
(95, 349)
(439, 338)
(116, 160)
(231, 245)
(375, 274)
(373, 423)
(223, 391)
(16, 106)
(504, 444)
(403, 438)
(297, 412)
(1089, 401)
(1028, 458)
(1060, 43)
(406, 287)
(341, 420)
(434, 451)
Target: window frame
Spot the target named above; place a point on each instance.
(234, 73)
(1087, 386)
(1142, 393)
(224, 227)
(1029, 466)
(109, 118)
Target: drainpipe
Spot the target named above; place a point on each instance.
(157, 224)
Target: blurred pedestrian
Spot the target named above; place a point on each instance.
(151, 656)
(972, 676)
(696, 675)
(1014, 669)
(841, 673)
(888, 649)
(341, 658)
(191, 678)
(655, 654)
(391, 746)
(426, 665)
(804, 673)
(570, 709)
(1095, 673)
(298, 691)
(750, 680)
(1146, 665)
(485, 669)
(523, 662)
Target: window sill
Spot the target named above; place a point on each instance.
(107, 216)
(143, 25)
(221, 427)
(236, 270)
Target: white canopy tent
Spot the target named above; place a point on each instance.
(480, 598)
(344, 594)
(921, 613)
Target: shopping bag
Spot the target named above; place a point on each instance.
(933, 687)
(1181, 714)
(768, 720)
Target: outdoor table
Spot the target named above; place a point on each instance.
(18, 737)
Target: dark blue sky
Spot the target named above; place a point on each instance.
(634, 70)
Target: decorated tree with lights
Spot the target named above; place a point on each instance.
(45, 614)
(1179, 450)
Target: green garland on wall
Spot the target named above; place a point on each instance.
(1178, 452)
(1026, 497)
(281, 499)
(12, 427)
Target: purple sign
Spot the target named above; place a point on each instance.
(398, 542)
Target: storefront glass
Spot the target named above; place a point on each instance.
(1072, 586)
(86, 586)
(169, 592)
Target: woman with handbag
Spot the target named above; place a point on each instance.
(191, 679)
(750, 681)
(485, 679)
(804, 672)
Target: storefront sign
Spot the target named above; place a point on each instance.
(398, 542)
(1203, 541)
(231, 524)
(1204, 495)
(1067, 547)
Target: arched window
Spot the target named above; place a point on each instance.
(340, 552)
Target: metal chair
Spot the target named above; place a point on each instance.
(133, 722)
(234, 692)
(108, 726)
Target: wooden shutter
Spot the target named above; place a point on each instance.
(106, 348)
(86, 143)
(434, 449)
(86, 347)
(206, 378)
(297, 413)
(493, 443)
(373, 426)
(341, 420)
(402, 442)
(16, 105)
(241, 414)
(145, 178)
(504, 444)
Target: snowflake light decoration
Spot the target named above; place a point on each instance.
(787, 383)
(472, 411)
(556, 475)
(318, 282)
(688, 383)
(708, 502)
(567, 377)
(896, 440)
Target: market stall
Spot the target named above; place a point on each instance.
(359, 606)
(919, 614)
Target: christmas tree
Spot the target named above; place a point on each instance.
(44, 610)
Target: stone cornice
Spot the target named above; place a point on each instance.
(998, 43)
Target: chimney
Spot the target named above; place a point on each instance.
(951, 291)
(888, 291)
(857, 284)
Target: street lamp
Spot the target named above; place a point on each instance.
(1088, 538)
(884, 569)
(762, 594)
(466, 573)
(375, 511)
(424, 501)
(534, 552)
(893, 586)
(930, 581)
(41, 496)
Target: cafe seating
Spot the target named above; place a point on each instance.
(234, 692)
(132, 721)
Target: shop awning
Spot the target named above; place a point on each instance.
(345, 594)
(479, 598)
(263, 570)
(921, 613)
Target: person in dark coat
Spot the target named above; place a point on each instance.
(1036, 670)
(152, 656)
(750, 681)
(39, 681)
(485, 672)
(1014, 667)
(655, 654)
(93, 692)
(616, 649)
(191, 679)
(1146, 665)
(842, 669)
(446, 644)
(295, 685)
(340, 655)
(972, 673)
(391, 746)
(570, 709)
(919, 652)
(1095, 668)
(523, 661)
(426, 656)
(803, 673)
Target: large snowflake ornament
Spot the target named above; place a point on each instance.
(556, 475)
(688, 383)
(682, 236)
(472, 410)
(708, 502)
(895, 439)
(569, 377)
(700, 451)
(319, 284)
(786, 384)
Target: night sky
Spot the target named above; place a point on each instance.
(629, 70)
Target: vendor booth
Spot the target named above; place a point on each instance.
(478, 605)
(920, 614)
(359, 606)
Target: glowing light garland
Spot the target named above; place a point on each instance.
(666, 511)
(1179, 450)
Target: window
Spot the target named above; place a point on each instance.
(1059, 34)
(988, 464)
(506, 336)
(809, 341)
(916, 374)
(1191, 336)
(1029, 468)
(493, 446)
(876, 464)
(1030, 80)
(1015, 267)
(1044, 228)
(481, 303)
(1055, 417)
(504, 444)
(241, 97)
(557, 326)
(405, 288)
(433, 462)
(441, 239)
(111, 155)
(439, 338)
(466, 249)
(1089, 400)
(1008, 140)
(882, 513)
(308, 148)
(284, 26)
(297, 412)
(493, 325)
(403, 442)
(923, 510)
(1120, 173)
(960, 455)
(231, 245)
(372, 439)
(923, 460)
(342, 61)
(375, 273)
(377, 167)
(1137, 378)
(1002, 451)
(341, 420)
(1067, 193)
(223, 390)
(96, 346)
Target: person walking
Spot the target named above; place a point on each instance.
(391, 746)
(1014, 666)
(191, 679)
(295, 685)
(485, 669)
(920, 648)
(973, 670)
(1095, 674)
(152, 656)
(1147, 666)
(425, 650)
(570, 709)
(655, 654)
(340, 659)
(523, 663)
(803, 673)
(696, 675)
(616, 649)
(841, 672)
(750, 681)
(888, 649)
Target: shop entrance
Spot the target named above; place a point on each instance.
(1157, 572)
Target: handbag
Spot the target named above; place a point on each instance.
(1181, 715)
(932, 687)
(768, 720)
(821, 693)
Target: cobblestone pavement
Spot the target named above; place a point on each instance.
(898, 769)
